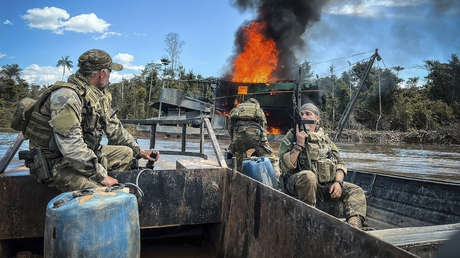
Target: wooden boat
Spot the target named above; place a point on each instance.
(240, 217)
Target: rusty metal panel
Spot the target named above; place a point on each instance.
(177, 197)
(171, 198)
(261, 222)
(23, 206)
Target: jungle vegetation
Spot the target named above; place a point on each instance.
(402, 105)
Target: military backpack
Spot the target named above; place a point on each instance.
(247, 111)
(26, 108)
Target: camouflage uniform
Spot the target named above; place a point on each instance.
(69, 124)
(247, 129)
(310, 181)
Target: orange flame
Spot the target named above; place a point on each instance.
(259, 57)
(273, 130)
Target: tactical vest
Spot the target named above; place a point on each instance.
(322, 161)
(247, 111)
(40, 132)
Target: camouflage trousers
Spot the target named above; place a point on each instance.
(112, 157)
(304, 186)
(245, 138)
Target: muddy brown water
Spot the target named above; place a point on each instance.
(420, 161)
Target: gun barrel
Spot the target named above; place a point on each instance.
(308, 122)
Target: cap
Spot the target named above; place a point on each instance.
(311, 107)
(96, 59)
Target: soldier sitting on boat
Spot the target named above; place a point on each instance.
(66, 128)
(313, 170)
(247, 128)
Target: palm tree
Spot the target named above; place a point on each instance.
(65, 62)
(11, 71)
(397, 69)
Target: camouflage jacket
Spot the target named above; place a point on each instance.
(77, 129)
(248, 111)
(322, 152)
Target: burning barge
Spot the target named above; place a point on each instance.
(274, 98)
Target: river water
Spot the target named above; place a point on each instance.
(421, 161)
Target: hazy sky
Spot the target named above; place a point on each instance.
(35, 34)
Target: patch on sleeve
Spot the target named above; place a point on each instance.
(286, 141)
(64, 120)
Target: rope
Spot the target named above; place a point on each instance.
(344, 57)
(140, 193)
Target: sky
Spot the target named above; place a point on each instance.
(36, 34)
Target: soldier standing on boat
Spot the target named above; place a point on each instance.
(67, 125)
(313, 170)
(247, 130)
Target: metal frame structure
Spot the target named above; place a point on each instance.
(204, 122)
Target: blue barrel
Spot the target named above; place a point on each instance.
(260, 169)
(92, 223)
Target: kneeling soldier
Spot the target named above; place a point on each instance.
(66, 128)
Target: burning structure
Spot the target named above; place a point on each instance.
(275, 99)
(264, 65)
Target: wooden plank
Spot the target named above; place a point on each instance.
(261, 222)
(201, 137)
(196, 164)
(184, 136)
(215, 144)
(159, 121)
(153, 132)
(186, 153)
(5, 161)
(416, 235)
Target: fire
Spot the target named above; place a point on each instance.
(273, 130)
(242, 90)
(259, 57)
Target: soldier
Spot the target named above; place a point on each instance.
(68, 122)
(313, 170)
(247, 130)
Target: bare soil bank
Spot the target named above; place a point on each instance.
(443, 137)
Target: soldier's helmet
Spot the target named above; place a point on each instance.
(95, 60)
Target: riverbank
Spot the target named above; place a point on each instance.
(441, 137)
(449, 136)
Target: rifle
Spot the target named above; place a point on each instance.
(296, 118)
(296, 103)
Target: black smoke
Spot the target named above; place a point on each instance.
(287, 21)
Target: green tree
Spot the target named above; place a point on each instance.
(66, 63)
(443, 80)
(12, 72)
(412, 82)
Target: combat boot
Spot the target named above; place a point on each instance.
(355, 221)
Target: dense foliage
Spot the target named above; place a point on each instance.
(401, 105)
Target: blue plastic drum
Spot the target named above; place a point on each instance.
(260, 169)
(92, 223)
